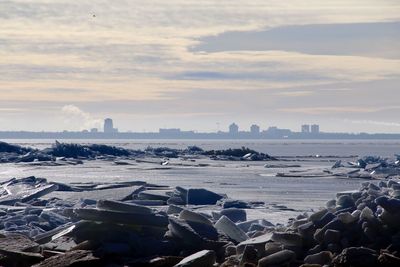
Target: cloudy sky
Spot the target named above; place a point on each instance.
(200, 64)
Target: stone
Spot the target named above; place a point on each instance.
(332, 236)
(230, 229)
(344, 201)
(287, 239)
(202, 196)
(271, 248)
(277, 259)
(19, 258)
(321, 258)
(346, 217)
(392, 205)
(357, 256)
(230, 250)
(258, 242)
(204, 258)
(249, 256)
(17, 242)
(71, 259)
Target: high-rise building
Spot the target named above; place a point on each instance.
(255, 129)
(108, 126)
(233, 128)
(305, 128)
(315, 128)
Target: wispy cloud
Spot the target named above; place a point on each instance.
(377, 123)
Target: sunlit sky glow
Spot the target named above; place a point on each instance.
(200, 64)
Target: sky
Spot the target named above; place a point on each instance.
(200, 65)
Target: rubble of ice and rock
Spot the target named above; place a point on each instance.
(73, 154)
(160, 226)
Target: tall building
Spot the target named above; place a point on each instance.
(109, 126)
(305, 128)
(233, 128)
(315, 128)
(255, 129)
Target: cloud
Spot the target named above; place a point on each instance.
(377, 123)
(338, 109)
(75, 118)
(380, 39)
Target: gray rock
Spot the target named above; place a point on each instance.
(287, 239)
(321, 258)
(277, 259)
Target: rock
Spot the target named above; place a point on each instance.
(277, 259)
(321, 258)
(392, 205)
(332, 236)
(204, 258)
(357, 256)
(347, 217)
(258, 242)
(344, 202)
(167, 261)
(230, 229)
(287, 239)
(17, 242)
(202, 197)
(272, 248)
(71, 259)
(388, 260)
(249, 256)
(230, 250)
(19, 258)
(318, 215)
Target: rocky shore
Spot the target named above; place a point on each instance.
(73, 154)
(161, 226)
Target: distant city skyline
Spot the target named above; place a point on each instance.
(200, 64)
(306, 131)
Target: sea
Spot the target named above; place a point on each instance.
(249, 181)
